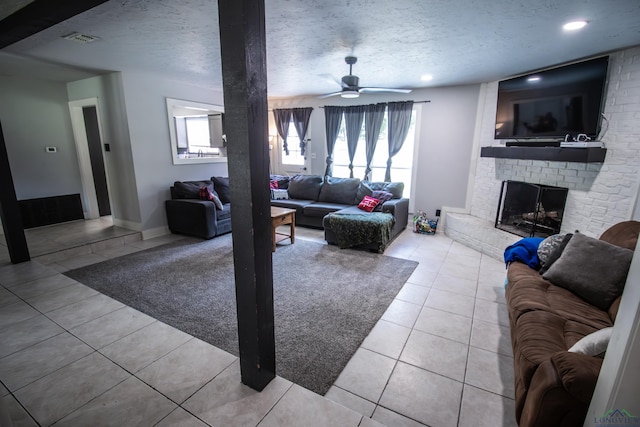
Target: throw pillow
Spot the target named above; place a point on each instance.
(221, 185)
(368, 203)
(594, 344)
(279, 194)
(593, 269)
(555, 252)
(383, 196)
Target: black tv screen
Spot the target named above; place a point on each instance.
(553, 103)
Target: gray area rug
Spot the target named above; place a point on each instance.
(326, 300)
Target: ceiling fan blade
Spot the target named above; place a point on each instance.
(383, 89)
(329, 95)
(330, 78)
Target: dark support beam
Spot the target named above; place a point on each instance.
(40, 15)
(10, 210)
(244, 74)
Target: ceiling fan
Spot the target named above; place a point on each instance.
(350, 87)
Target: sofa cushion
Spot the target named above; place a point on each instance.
(395, 188)
(189, 189)
(529, 291)
(305, 187)
(592, 269)
(339, 190)
(221, 185)
(225, 213)
(320, 209)
(363, 190)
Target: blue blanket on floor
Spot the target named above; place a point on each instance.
(524, 250)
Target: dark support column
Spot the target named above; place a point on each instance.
(10, 211)
(243, 47)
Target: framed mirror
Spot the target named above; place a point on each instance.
(196, 131)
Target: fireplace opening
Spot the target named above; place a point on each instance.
(530, 210)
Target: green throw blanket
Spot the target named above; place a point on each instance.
(362, 229)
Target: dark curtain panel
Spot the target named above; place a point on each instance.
(353, 117)
(282, 118)
(398, 121)
(301, 122)
(374, 115)
(332, 122)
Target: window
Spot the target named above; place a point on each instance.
(293, 143)
(196, 139)
(401, 166)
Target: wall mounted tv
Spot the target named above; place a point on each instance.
(550, 104)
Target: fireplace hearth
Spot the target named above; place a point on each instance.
(530, 210)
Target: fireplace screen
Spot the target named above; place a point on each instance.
(530, 210)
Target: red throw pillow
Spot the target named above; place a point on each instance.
(368, 203)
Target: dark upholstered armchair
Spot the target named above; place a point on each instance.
(188, 214)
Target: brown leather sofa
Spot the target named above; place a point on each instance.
(553, 387)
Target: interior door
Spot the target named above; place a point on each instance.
(94, 141)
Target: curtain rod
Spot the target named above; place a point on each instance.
(415, 102)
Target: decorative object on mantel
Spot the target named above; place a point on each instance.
(554, 154)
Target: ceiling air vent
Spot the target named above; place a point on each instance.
(82, 38)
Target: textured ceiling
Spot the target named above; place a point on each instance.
(457, 41)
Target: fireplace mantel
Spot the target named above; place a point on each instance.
(556, 154)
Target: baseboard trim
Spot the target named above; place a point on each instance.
(155, 232)
(136, 226)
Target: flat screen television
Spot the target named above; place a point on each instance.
(550, 104)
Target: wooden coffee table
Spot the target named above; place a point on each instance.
(282, 216)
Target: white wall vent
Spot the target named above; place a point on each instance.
(82, 38)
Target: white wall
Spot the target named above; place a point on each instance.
(600, 195)
(146, 111)
(34, 115)
(115, 132)
(444, 144)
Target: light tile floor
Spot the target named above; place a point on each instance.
(439, 356)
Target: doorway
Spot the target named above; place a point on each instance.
(87, 132)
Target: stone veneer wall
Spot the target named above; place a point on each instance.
(600, 195)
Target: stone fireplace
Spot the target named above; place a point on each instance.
(600, 194)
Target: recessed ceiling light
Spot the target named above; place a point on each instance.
(426, 77)
(533, 79)
(574, 25)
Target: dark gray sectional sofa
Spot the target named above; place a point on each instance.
(314, 197)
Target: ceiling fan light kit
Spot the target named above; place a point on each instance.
(347, 93)
(351, 84)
